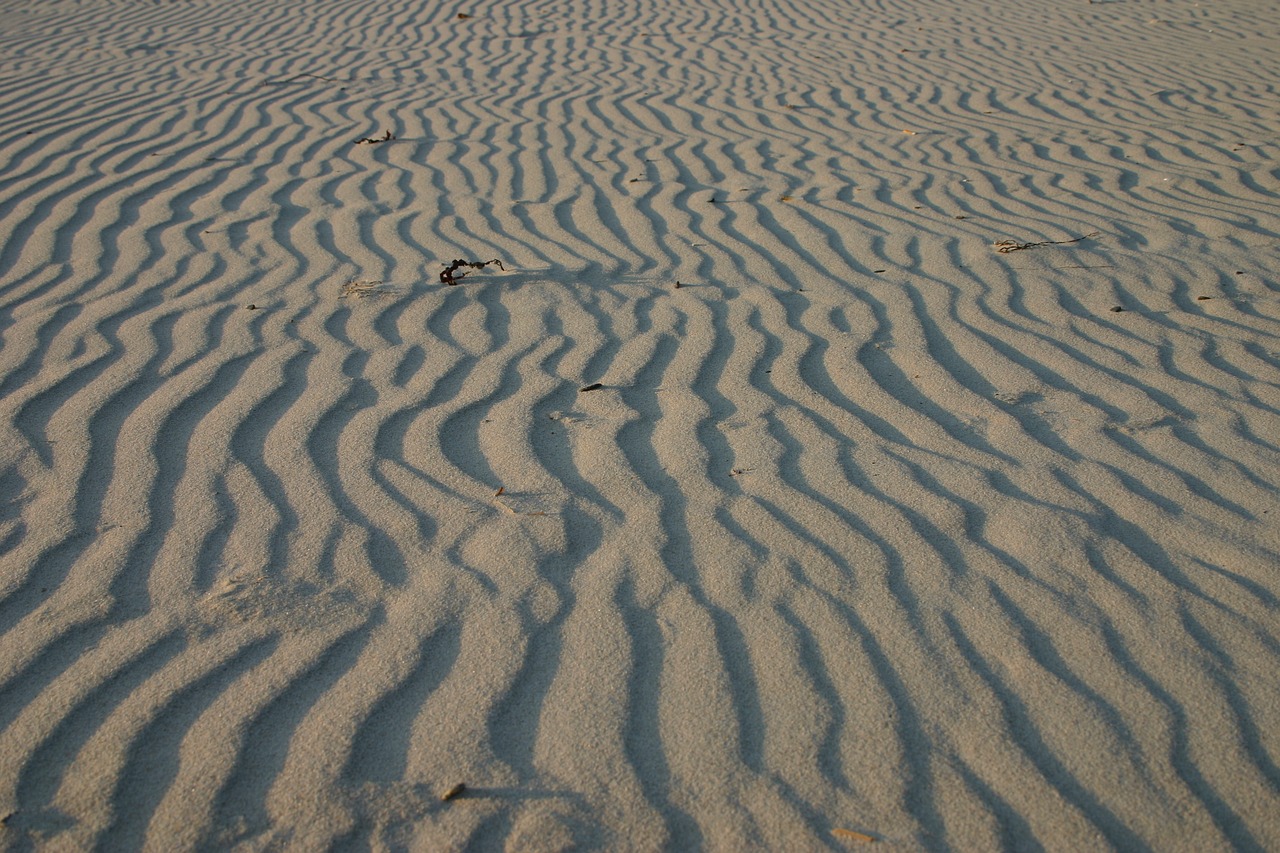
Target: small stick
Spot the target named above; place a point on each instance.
(1004, 247)
(453, 793)
(295, 78)
(852, 835)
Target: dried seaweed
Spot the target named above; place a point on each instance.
(386, 137)
(450, 274)
(1004, 247)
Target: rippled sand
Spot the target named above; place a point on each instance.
(935, 508)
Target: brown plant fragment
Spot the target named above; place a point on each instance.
(386, 137)
(450, 274)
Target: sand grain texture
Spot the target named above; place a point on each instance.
(868, 530)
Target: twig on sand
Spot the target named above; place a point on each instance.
(386, 137)
(853, 835)
(297, 78)
(1004, 247)
(450, 274)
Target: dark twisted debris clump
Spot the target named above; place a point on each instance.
(450, 274)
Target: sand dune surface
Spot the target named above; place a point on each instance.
(869, 439)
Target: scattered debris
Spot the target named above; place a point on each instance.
(453, 793)
(594, 386)
(447, 275)
(1004, 247)
(385, 137)
(361, 288)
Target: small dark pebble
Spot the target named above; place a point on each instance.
(1204, 297)
(1117, 309)
(594, 386)
(251, 307)
(1239, 272)
(879, 270)
(453, 793)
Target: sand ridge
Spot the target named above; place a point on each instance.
(935, 508)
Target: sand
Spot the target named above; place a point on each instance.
(924, 496)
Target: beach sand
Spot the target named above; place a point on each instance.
(869, 440)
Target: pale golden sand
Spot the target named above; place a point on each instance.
(872, 535)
